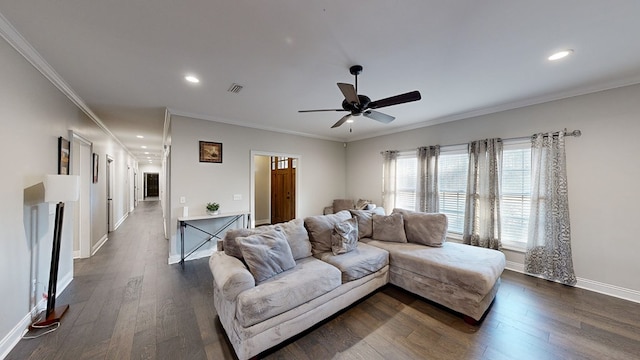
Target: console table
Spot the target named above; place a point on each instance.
(230, 218)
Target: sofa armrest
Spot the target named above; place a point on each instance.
(230, 275)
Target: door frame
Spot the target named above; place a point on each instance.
(85, 170)
(252, 199)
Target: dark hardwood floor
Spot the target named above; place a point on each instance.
(127, 303)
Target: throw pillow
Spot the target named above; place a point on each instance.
(344, 237)
(365, 224)
(230, 244)
(389, 228)
(424, 228)
(320, 228)
(266, 254)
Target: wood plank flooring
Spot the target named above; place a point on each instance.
(127, 303)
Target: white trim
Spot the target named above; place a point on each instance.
(117, 225)
(249, 125)
(263, 222)
(590, 285)
(22, 46)
(174, 259)
(76, 254)
(97, 246)
(15, 335)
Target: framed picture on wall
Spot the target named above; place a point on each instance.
(64, 152)
(96, 160)
(210, 152)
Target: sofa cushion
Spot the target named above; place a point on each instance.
(266, 254)
(342, 204)
(470, 268)
(424, 228)
(309, 279)
(365, 222)
(344, 237)
(388, 228)
(320, 228)
(360, 262)
(297, 237)
(294, 231)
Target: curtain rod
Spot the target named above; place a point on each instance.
(574, 133)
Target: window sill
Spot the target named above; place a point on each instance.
(514, 246)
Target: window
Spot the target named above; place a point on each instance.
(452, 185)
(406, 180)
(516, 191)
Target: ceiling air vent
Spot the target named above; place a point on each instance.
(234, 88)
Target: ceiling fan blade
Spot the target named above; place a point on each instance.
(395, 100)
(305, 111)
(341, 121)
(349, 93)
(378, 116)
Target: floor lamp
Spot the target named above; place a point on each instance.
(57, 189)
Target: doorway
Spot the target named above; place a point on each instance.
(274, 186)
(109, 174)
(283, 188)
(151, 185)
(82, 166)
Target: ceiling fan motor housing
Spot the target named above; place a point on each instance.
(357, 109)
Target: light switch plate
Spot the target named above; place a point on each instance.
(237, 196)
(183, 199)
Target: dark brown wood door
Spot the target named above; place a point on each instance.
(152, 184)
(283, 189)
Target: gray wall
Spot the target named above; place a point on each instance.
(33, 114)
(603, 170)
(321, 169)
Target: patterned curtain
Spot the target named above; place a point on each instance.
(549, 244)
(389, 179)
(482, 208)
(428, 198)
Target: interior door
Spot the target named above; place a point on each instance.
(152, 185)
(283, 189)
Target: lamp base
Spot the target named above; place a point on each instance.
(53, 318)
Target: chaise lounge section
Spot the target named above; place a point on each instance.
(272, 283)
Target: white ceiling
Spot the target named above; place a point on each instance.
(127, 59)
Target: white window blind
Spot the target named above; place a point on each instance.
(516, 191)
(406, 180)
(452, 185)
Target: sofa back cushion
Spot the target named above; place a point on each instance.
(320, 228)
(294, 231)
(424, 228)
(365, 222)
(266, 254)
(389, 228)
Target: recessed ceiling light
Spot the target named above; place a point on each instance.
(146, 153)
(192, 79)
(560, 54)
(140, 136)
(144, 147)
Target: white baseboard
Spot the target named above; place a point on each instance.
(15, 335)
(174, 259)
(591, 285)
(76, 254)
(97, 246)
(263, 222)
(117, 225)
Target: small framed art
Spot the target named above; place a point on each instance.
(96, 163)
(210, 152)
(64, 153)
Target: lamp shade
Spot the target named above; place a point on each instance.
(59, 188)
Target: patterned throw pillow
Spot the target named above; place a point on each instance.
(344, 237)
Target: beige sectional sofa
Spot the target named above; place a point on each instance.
(273, 282)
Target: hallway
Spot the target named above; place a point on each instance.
(126, 302)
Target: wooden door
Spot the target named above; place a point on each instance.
(283, 189)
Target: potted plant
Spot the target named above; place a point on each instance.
(212, 208)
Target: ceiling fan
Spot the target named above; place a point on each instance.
(358, 104)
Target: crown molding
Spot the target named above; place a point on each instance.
(22, 46)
